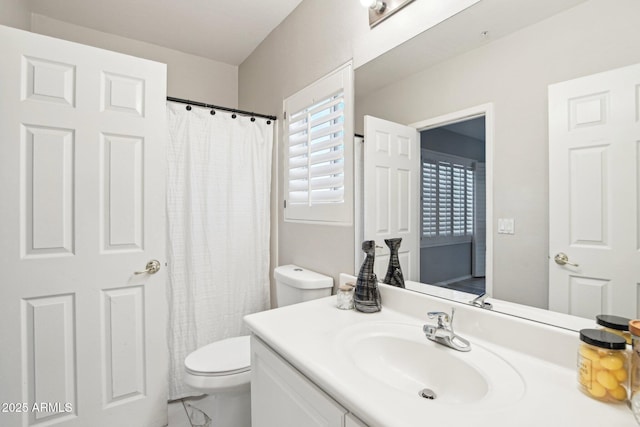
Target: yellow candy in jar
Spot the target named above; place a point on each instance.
(621, 374)
(597, 390)
(607, 379)
(612, 363)
(602, 365)
(589, 353)
(618, 393)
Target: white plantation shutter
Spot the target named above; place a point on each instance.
(447, 199)
(470, 209)
(316, 153)
(429, 198)
(319, 151)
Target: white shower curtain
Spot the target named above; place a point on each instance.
(218, 213)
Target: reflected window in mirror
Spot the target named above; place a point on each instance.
(447, 198)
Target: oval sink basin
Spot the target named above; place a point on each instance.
(398, 355)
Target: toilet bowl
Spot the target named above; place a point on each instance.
(222, 369)
(220, 366)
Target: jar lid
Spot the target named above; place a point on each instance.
(613, 322)
(603, 339)
(634, 327)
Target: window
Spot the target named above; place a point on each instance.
(319, 151)
(447, 199)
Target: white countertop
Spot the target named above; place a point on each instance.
(305, 334)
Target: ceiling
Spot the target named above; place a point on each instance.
(222, 30)
(474, 128)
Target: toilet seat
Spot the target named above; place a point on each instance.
(226, 357)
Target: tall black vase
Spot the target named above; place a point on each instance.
(394, 272)
(366, 297)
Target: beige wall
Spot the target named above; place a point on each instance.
(15, 13)
(512, 72)
(315, 39)
(188, 76)
(288, 60)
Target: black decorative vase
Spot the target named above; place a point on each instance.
(394, 275)
(366, 297)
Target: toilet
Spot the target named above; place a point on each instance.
(222, 370)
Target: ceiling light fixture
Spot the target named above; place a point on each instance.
(379, 10)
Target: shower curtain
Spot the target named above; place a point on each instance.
(218, 215)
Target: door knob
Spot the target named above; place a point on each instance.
(562, 259)
(152, 267)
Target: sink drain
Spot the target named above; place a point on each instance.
(427, 393)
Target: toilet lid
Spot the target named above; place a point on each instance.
(225, 357)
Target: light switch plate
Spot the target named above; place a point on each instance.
(506, 226)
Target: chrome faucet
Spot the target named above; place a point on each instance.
(443, 333)
(479, 301)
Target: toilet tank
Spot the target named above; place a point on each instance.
(296, 284)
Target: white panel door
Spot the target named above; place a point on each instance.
(82, 187)
(391, 181)
(594, 137)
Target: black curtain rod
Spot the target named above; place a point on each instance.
(217, 107)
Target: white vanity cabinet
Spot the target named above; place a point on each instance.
(315, 365)
(281, 396)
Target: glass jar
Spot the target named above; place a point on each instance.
(602, 365)
(634, 377)
(344, 296)
(615, 324)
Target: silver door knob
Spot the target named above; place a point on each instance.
(152, 267)
(563, 259)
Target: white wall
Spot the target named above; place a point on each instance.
(15, 13)
(512, 72)
(316, 38)
(188, 76)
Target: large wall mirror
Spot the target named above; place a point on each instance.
(508, 56)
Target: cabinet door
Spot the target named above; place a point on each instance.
(282, 396)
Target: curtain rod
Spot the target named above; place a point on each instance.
(217, 107)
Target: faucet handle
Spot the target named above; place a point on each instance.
(443, 318)
(479, 301)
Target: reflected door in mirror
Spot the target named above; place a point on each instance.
(594, 137)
